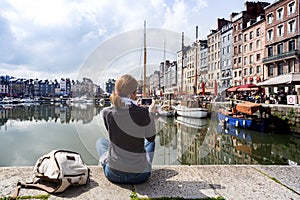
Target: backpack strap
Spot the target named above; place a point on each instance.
(63, 184)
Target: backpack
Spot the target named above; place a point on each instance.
(60, 169)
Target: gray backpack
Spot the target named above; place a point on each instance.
(61, 168)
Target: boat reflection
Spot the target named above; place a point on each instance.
(192, 122)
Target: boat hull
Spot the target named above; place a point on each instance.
(165, 111)
(191, 112)
(246, 123)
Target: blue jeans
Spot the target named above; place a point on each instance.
(116, 176)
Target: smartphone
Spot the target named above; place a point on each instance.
(146, 101)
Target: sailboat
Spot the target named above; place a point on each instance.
(192, 107)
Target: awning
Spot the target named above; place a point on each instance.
(285, 79)
(247, 87)
(248, 107)
(232, 89)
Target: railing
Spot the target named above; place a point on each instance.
(280, 56)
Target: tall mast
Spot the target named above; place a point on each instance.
(164, 68)
(182, 57)
(196, 64)
(145, 60)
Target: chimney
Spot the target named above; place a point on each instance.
(196, 33)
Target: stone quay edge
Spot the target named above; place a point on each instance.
(182, 181)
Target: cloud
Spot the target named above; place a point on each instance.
(55, 37)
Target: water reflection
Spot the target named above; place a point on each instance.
(28, 131)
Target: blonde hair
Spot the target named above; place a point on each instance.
(124, 87)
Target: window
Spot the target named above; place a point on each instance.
(234, 61)
(258, 32)
(245, 48)
(258, 44)
(224, 38)
(251, 46)
(258, 69)
(245, 38)
(235, 74)
(235, 51)
(251, 35)
(245, 60)
(240, 48)
(258, 57)
(280, 31)
(292, 26)
(251, 59)
(270, 34)
(251, 70)
(280, 14)
(228, 49)
(228, 62)
(271, 70)
(280, 68)
(228, 36)
(292, 45)
(270, 18)
(292, 8)
(240, 37)
(291, 66)
(235, 38)
(245, 72)
(240, 26)
(240, 59)
(270, 51)
(280, 48)
(234, 28)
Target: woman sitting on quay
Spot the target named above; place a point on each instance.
(127, 156)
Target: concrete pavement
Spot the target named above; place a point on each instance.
(188, 182)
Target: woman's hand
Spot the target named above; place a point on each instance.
(152, 106)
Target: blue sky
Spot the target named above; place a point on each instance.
(48, 39)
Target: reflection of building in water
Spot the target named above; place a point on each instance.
(287, 152)
(84, 114)
(166, 131)
(49, 112)
(3, 116)
(166, 135)
(234, 146)
(190, 140)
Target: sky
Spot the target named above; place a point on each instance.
(100, 39)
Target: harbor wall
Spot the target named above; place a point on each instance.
(288, 116)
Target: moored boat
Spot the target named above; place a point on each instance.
(244, 116)
(193, 107)
(166, 110)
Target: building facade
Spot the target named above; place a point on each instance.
(253, 50)
(226, 56)
(281, 54)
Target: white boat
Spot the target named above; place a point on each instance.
(192, 122)
(166, 111)
(191, 112)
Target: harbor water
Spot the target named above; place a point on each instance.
(30, 130)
